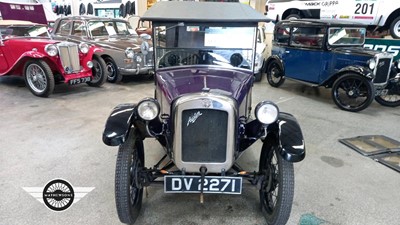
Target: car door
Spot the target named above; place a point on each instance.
(303, 59)
(4, 54)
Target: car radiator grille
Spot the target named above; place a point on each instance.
(69, 56)
(204, 135)
(382, 70)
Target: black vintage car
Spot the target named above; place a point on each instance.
(201, 114)
(330, 53)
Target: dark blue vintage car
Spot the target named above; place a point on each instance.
(329, 53)
(201, 114)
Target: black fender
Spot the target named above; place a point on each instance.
(287, 132)
(360, 70)
(276, 59)
(118, 124)
(291, 139)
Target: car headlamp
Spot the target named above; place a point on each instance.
(129, 53)
(266, 112)
(148, 109)
(51, 50)
(372, 64)
(84, 47)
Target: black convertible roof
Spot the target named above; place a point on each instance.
(178, 11)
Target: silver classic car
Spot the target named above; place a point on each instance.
(125, 52)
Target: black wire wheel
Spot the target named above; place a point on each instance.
(39, 77)
(275, 75)
(353, 92)
(390, 96)
(277, 187)
(112, 69)
(128, 182)
(99, 72)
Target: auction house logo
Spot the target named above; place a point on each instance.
(58, 194)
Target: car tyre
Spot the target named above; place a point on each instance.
(275, 75)
(113, 73)
(277, 187)
(258, 76)
(128, 183)
(39, 78)
(99, 72)
(392, 96)
(293, 17)
(395, 28)
(353, 92)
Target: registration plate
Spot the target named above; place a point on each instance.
(79, 80)
(212, 184)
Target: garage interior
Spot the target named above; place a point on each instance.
(338, 182)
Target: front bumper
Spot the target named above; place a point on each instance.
(136, 71)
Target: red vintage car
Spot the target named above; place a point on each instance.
(27, 49)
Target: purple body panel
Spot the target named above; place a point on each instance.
(233, 82)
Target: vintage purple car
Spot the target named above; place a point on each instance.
(201, 114)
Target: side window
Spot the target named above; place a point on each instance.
(309, 37)
(64, 27)
(79, 29)
(282, 35)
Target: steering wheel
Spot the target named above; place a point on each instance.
(171, 58)
(236, 59)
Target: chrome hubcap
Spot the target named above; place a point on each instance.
(36, 78)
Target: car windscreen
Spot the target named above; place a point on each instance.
(181, 45)
(110, 28)
(346, 36)
(24, 31)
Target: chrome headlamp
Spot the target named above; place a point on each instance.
(84, 47)
(51, 50)
(129, 53)
(266, 112)
(148, 109)
(372, 64)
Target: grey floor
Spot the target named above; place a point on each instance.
(60, 137)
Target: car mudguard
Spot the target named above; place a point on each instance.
(363, 71)
(276, 59)
(290, 138)
(118, 124)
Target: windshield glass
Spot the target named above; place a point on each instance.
(346, 36)
(109, 28)
(24, 31)
(180, 45)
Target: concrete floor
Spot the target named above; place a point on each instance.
(60, 137)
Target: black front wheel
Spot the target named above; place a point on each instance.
(390, 96)
(353, 92)
(275, 75)
(113, 74)
(99, 72)
(128, 182)
(277, 187)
